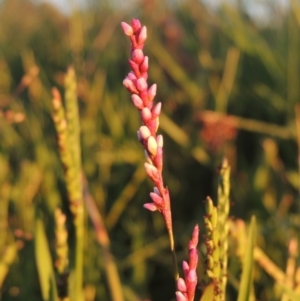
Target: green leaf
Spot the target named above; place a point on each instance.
(44, 263)
(290, 293)
(246, 281)
(208, 294)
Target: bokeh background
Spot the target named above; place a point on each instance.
(228, 78)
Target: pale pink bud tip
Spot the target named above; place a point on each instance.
(146, 114)
(144, 132)
(181, 286)
(152, 145)
(181, 297)
(137, 101)
(150, 206)
(141, 84)
(194, 241)
(127, 29)
(156, 110)
(160, 141)
(143, 35)
(128, 84)
(152, 92)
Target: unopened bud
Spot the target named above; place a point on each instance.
(156, 110)
(150, 206)
(128, 30)
(146, 114)
(152, 145)
(142, 36)
(144, 132)
(152, 92)
(141, 84)
(144, 65)
(137, 56)
(137, 101)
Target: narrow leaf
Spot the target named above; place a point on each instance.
(44, 263)
(246, 281)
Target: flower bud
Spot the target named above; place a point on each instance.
(160, 141)
(128, 84)
(144, 65)
(137, 101)
(144, 132)
(137, 56)
(158, 200)
(156, 110)
(146, 115)
(152, 172)
(136, 25)
(181, 286)
(180, 296)
(142, 36)
(152, 145)
(141, 84)
(152, 92)
(150, 206)
(127, 29)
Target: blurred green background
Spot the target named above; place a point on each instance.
(228, 79)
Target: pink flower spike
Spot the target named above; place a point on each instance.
(146, 115)
(142, 36)
(135, 67)
(137, 101)
(193, 259)
(128, 84)
(152, 145)
(156, 110)
(181, 286)
(181, 297)
(157, 200)
(159, 159)
(152, 92)
(152, 172)
(144, 132)
(160, 141)
(150, 206)
(127, 29)
(141, 84)
(137, 56)
(144, 65)
(136, 25)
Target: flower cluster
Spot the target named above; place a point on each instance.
(187, 286)
(142, 98)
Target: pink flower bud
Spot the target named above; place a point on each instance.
(128, 84)
(150, 206)
(144, 65)
(156, 110)
(131, 76)
(158, 200)
(137, 56)
(136, 25)
(152, 172)
(181, 297)
(158, 160)
(152, 145)
(127, 29)
(135, 67)
(186, 268)
(155, 189)
(181, 286)
(152, 92)
(144, 132)
(192, 276)
(141, 84)
(148, 159)
(137, 101)
(142, 36)
(160, 141)
(146, 115)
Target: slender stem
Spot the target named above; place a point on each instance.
(174, 258)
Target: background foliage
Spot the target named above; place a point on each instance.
(229, 84)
